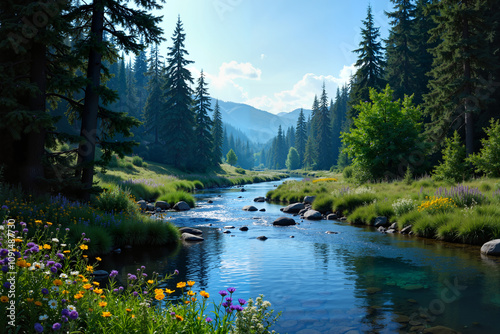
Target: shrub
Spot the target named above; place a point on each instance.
(453, 167)
(114, 161)
(240, 170)
(347, 172)
(323, 203)
(486, 161)
(116, 200)
(403, 205)
(137, 161)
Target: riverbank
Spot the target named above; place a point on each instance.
(462, 213)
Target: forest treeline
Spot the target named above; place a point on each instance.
(70, 98)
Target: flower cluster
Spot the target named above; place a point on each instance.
(462, 195)
(403, 205)
(436, 204)
(325, 179)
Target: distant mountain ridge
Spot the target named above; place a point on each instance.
(259, 125)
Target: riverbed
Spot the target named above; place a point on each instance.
(355, 281)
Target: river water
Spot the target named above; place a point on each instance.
(355, 281)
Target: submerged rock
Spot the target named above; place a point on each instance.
(243, 228)
(190, 230)
(262, 237)
(331, 232)
(249, 208)
(491, 247)
(259, 199)
(284, 221)
(191, 237)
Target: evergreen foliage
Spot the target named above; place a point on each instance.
(323, 134)
(487, 160)
(453, 167)
(202, 132)
(231, 157)
(301, 136)
(152, 109)
(217, 135)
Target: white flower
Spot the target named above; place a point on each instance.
(1, 228)
(43, 317)
(47, 272)
(52, 303)
(71, 308)
(55, 240)
(63, 245)
(68, 281)
(31, 268)
(55, 288)
(63, 275)
(74, 273)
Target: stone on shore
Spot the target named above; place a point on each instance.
(284, 221)
(309, 199)
(181, 206)
(491, 247)
(142, 204)
(380, 221)
(294, 208)
(162, 205)
(259, 199)
(331, 216)
(313, 215)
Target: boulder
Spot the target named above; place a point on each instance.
(391, 230)
(382, 229)
(191, 237)
(406, 229)
(394, 226)
(210, 201)
(243, 190)
(331, 216)
(492, 247)
(313, 215)
(294, 208)
(162, 205)
(331, 232)
(150, 207)
(309, 199)
(142, 204)
(227, 231)
(249, 208)
(262, 210)
(259, 199)
(243, 228)
(262, 237)
(380, 221)
(284, 221)
(181, 206)
(301, 212)
(190, 230)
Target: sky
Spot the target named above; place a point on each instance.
(271, 54)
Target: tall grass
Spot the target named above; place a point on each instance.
(177, 196)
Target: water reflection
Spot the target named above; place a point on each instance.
(356, 280)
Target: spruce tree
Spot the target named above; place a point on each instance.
(323, 134)
(178, 123)
(140, 70)
(400, 49)
(338, 114)
(462, 57)
(217, 135)
(301, 136)
(151, 114)
(370, 64)
(203, 136)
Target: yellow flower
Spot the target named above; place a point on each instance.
(159, 297)
(106, 314)
(98, 291)
(87, 286)
(178, 317)
(29, 300)
(57, 282)
(181, 285)
(85, 256)
(95, 283)
(37, 221)
(132, 316)
(38, 303)
(84, 247)
(103, 297)
(18, 240)
(90, 269)
(128, 310)
(169, 291)
(204, 294)
(46, 246)
(191, 293)
(66, 251)
(103, 304)
(150, 281)
(190, 283)
(98, 259)
(4, 299)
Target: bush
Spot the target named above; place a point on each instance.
(403, 205)
(486, 161)
(323, 203)
(137, 161)
(114, 161)
(347, 172)
(116, 200)
(453, 167)
(240, 170)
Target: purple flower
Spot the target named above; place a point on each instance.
(65, 312)
(234, 307)
(229, 299)
(67, 229)
(5, 207)
(25, 230)
(30, 244)
(208, 319)
(113, 273)
(145, 292)
(83, 234)
(53, 270)
(135, 293)
(225, 304)
(223, 293)
(38, 328)
(231, 290)
(5, 269)
(50, 263)
(6, 285)
(45, 291)
(142, 267)
(60, 256)
(17, 254)
(176, 272)
(115, 290)
(144, 274)
(4, 252)
(63, 301)
(120, 288)
(35, 249)
(22, 224)
(73, 315)
(58, 265)
(239, 308)
(132, 277)
(242, 301)
(56, 326)
(172, 313)
(64, 318)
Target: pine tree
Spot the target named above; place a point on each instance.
(462, 57)
(338, 113)
(310, 153)
(154, 103)
(177, 128)
(370, 63)
(140, 70)
(400, 49)
(131, 100)
(281, 150)
(203, 136)
(122, 85)
(323, 134)
(301, 136)
(217, 135)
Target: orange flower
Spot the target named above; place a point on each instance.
(169, 291)
(57, 282)
(38, 303)
(178, 317)
(106, 314)
(190, 283)
(90, 269)
(159, 297)
(87, 286)
(4, 299)
(103, 304)
(181, 285)
(128, 310)
(98, 258)
(66, 251)
(95, 283)
(98, 291)
(78, 296)
(191, 293)
(204, 294)
(29, 300)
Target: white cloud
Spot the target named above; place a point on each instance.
(301, 95)
(234, 70)
(262, 56)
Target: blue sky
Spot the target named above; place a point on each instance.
(274, 54)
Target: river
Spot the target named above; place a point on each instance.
(355, 281)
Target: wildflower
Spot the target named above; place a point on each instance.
(128, 310)
(46, 246)
(95, 283)
(38, 328)
(38, 303)
(242, 301)
(4, 252)
(169, 291)
(90, 269)
(204, 294)
(223, 293)
(103, 304)
(43, 317)
(87, 286)
(208, 319)
(73, 315)
(181, 285)
(179, 318)
(60, 256)
(191, 293)
(98, 258)
(159, 297)
(135, 293)
(190, 283)
(113, 273)
(45, 291)
(150, 281)
(84, 247)
(74, 273)
(56, 326)
(4, 299)
(52, 303)
(29, 300)
(6, 269)
(53, 270)
(176, 272)
(55, 240)
(58, 282)
(231, 290)
(54, 288)
(98, 291)
(66, 251)
(106, 314)
(132, 277)
(6, 285)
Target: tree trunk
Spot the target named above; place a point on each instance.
(88, 133)
(34, 142)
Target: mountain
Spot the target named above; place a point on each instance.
(259, 125)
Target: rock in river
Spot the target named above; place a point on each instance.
(162, 205)
(190, 230)
(191, 237)
(294, 208)
(491, 247)
(249, 208)
(313, 215)
(181, 206)
(284, 221)
(262, 237)
(259, 199)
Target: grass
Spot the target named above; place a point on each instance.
(464, 213)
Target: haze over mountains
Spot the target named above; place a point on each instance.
(260, 126)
